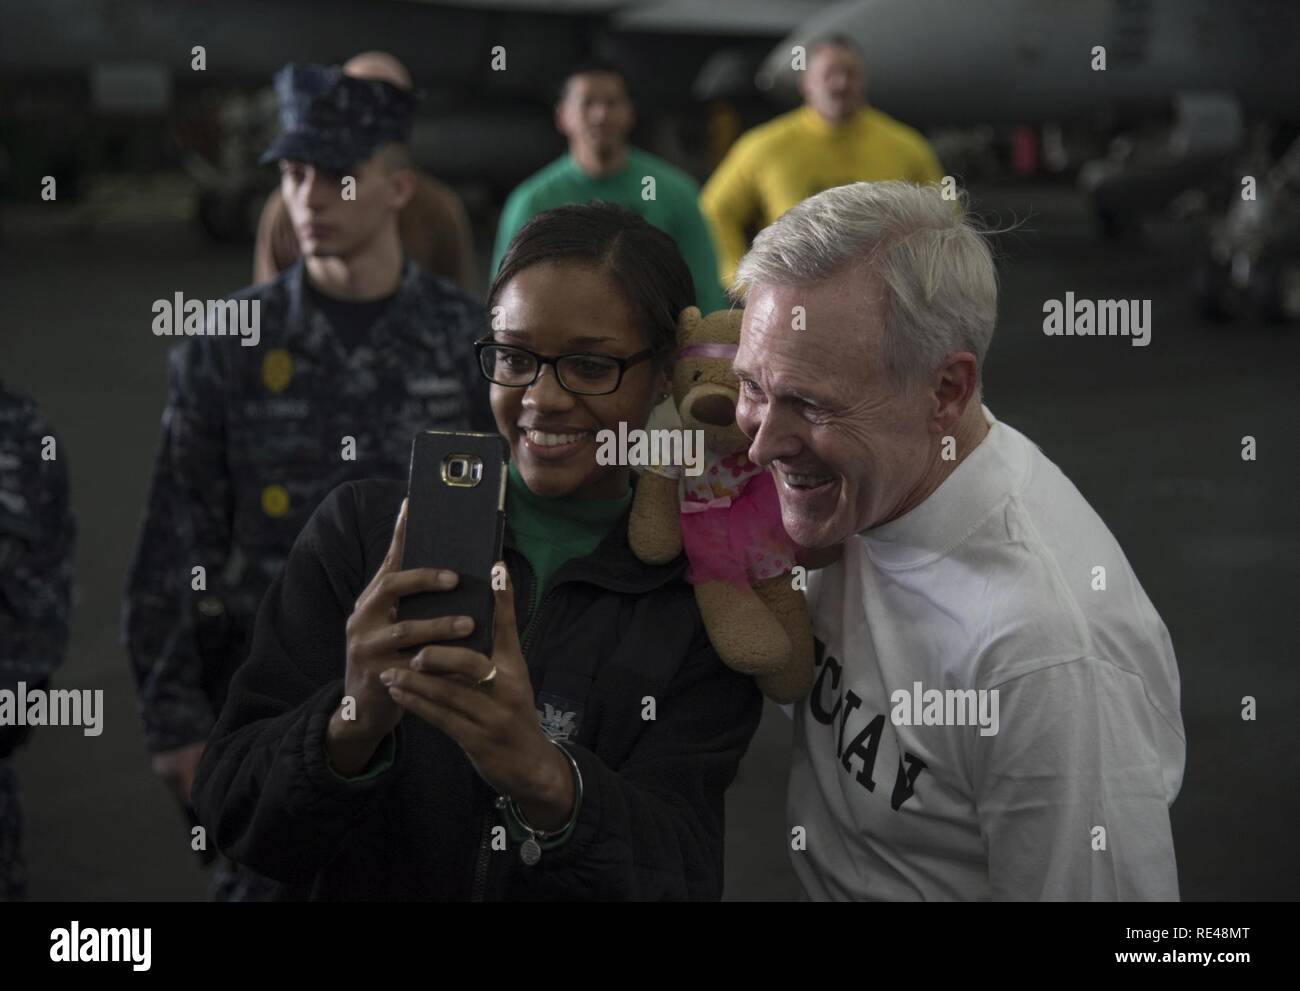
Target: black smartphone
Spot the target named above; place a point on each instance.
(456, 520)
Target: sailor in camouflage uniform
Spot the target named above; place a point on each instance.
(36, 541)
(255, 437)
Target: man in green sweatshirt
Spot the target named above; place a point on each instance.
(595, 114)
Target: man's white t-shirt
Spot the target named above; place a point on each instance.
(993, 584)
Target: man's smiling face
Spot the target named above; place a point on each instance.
(847, 448)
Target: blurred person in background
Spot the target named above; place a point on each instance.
(433, 225)
(359, 350)
(595, 114)
(834, 139)
(37, 535)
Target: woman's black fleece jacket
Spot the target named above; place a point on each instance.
(610, 633)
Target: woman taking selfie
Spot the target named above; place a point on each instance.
(588, 756)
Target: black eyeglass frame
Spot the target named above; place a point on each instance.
(623, 365)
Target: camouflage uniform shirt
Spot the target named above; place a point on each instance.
(253, 439)
(36, 541)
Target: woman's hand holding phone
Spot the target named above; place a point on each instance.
(494, 721)
(375, 644)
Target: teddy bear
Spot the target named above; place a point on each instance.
(728, 520)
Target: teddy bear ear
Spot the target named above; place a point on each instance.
(687, 321)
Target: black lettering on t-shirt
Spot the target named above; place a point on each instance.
(868, 753)
(851, 702)
(815, 699)
(904, 781)
(867, 743)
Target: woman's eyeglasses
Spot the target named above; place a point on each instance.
(583, 374)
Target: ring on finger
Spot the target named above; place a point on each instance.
(487, 680)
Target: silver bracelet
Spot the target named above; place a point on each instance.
(530, 851)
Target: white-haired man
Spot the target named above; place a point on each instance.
(988, 721)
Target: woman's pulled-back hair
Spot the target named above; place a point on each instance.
(640, 259)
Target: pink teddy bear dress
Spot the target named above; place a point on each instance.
(731, 523)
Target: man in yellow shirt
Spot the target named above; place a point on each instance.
(832, 140)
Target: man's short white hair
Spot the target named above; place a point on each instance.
(940, 282)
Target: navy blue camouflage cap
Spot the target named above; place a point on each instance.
(332, 120)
